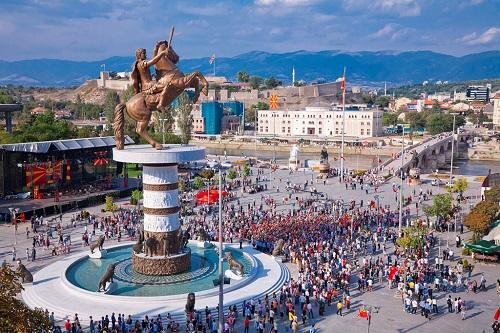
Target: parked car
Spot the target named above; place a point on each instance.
(226, 165)
(436, 182)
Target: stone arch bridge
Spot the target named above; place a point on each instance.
(428, 155)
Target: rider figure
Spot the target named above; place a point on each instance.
(141, 76)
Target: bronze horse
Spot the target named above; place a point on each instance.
(141, 105)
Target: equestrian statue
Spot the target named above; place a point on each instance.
(156, 94)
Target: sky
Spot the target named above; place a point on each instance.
(98, 29)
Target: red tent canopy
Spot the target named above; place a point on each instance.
(209, 197)
(100, 161)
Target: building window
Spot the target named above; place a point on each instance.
(368, 123)
(288, 130)
(303, 130)
(319, 122)
(367, 132)
(319, 130)
(362, 123)
(362, 132)
(282, 130)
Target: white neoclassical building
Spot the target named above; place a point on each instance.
(321, 122)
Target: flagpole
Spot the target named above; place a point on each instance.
(343, 130)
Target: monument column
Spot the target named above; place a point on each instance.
(164, 252)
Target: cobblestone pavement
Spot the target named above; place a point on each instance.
(391, 316)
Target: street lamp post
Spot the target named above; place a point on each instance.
(221, 272)
(401, 189)
(343, 130)
(452, 150)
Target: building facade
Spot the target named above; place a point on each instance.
(320, 122)
(496, 111)
(478, 93)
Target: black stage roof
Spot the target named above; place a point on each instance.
(43, 147)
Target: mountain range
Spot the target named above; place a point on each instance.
(363, 68)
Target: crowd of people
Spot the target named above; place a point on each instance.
(341, 250)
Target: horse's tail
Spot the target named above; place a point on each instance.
(118, 125)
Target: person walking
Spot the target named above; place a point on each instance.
(339, 308)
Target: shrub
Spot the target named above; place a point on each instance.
(465, 252)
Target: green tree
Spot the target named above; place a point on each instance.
(184, 117)
(493, 194)
(255, 81)
(442, 122)
(477, 222)
(109, 206)
(441, 206)
(182, 186)
(232, 174)
(128, 93)
(198, 183)
(460, 185)
(5, 98)
(415, 119)
(382, 101)
(43, 128)
(111, 101)
(389, 118)
(272, 83)
(413, 237)
(15, 316)
(136, 196)
(262, 106)
(243, 76)
(85, 132)
(246, 170)
(250, 114)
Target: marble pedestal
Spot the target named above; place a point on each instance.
(163, 246)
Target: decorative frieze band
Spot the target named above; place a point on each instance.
(159, 175)
(160, 187)
(158, 223)
(162, 211)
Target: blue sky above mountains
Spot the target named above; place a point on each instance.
(95, 29)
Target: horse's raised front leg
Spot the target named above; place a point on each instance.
(142, 129)
(204, 82)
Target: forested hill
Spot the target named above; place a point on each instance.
(364, 68)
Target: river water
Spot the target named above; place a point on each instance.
(462, 167)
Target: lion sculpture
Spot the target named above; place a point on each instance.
(97, 244)
(233, 263)
(107, 277)
(26, 276)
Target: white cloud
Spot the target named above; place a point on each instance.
(400, 8)
(390, 31)
(490, 35)
(287, 3)
(384, 31)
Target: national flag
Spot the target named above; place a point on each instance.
(211, 59)
(273, 101)
(363, 314)
(342, 83)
